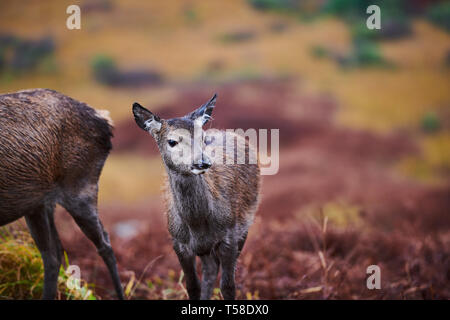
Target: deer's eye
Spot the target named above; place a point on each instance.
(172, 143)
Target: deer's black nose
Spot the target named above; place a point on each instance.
(202, 165)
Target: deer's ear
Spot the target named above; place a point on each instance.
(145, 119)
(203, 114)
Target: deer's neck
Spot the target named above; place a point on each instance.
(191, 196)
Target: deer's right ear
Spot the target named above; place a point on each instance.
(145, 119)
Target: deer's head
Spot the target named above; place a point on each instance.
(181, 141)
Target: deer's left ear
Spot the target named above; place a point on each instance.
(203, 114)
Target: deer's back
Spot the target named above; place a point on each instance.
(47, 141)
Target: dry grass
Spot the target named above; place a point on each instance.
(432, 165)
(22, 272)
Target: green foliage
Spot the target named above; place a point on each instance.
(395, 20)
(104, 69)
(279, 5)
(351, 9)
(319, 52)
(304, 10)
(22, 272)
(367, 53)
(430, 122)
(361, 32)
(190, 15)
(439, 14)
(19, 55)
(363, 54)
(347, 7)
(103, 62)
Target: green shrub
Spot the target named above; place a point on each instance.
(19, 55)
(28, 54)
(280, 5)
(104, 69)
(430, 122)
(190, 15)
(367, 53)
(319, 52)
(347, 8)
(439, 14)
(357, 8)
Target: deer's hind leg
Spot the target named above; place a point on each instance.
(42, 229)
(82, 206)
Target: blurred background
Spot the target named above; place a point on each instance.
(364, 119)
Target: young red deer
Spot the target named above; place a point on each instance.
(52, 150)
(210, 204)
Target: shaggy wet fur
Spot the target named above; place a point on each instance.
(208, 214)
(52, 150)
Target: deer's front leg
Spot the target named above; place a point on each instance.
(210, 268)
(187, 261)
(228, 254)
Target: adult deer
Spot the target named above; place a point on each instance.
(52, 150)
(211, 202)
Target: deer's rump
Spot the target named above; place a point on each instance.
(47, 140)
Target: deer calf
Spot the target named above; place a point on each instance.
(210, 203)
(52, 150)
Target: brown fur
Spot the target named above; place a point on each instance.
(52, 150)
(210, 205)
(224, 180)
(39, 150)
